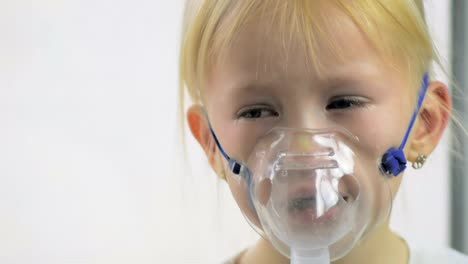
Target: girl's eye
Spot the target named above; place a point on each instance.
(345, 103)
(257, 112)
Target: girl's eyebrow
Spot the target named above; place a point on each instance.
(249, 87)
(356, 72)
(352, 71)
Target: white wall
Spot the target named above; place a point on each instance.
(89, 171)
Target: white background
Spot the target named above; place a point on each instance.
(90, 164)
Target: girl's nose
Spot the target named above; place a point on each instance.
(308, 118)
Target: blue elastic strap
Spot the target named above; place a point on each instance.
(226, 156)
(233, 164)
(236, 168)
(394, 160)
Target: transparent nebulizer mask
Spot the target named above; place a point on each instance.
(311, 192)
(314, 193)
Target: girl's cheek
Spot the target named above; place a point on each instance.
(240, 137)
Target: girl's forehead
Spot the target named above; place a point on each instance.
(261, 50)
(304, 37)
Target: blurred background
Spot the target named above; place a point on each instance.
(91, 162)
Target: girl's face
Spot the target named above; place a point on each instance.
(262, 84)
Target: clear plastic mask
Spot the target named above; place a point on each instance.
(312, 193)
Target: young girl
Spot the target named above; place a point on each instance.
(310, 110)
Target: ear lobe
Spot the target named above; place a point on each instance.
(432, 121)
(200, 129)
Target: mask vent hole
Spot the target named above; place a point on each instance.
(348, 187)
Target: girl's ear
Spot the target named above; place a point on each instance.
(200, 129)
(432, 121)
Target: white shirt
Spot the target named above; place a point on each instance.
(436, 256)
(421, 256)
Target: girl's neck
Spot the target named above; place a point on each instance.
(382, 246)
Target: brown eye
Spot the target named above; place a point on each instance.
(257, 112)
(345, 103)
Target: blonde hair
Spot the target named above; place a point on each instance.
(396, 28)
